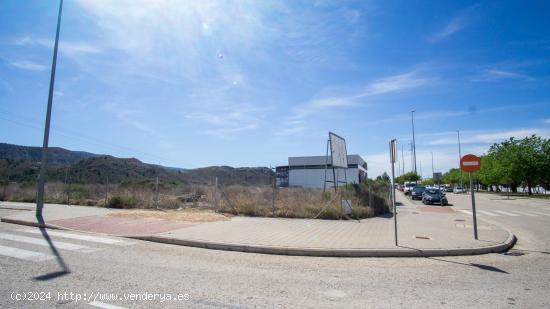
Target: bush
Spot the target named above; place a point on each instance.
(121, 202)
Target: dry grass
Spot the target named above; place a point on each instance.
(301, 202)
(367, 201)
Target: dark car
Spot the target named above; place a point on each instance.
(416, 192)
(432, 196)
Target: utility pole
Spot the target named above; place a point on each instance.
(459, 158)
(432, 163)
(403, 161)
(42, 176)
(433, 169)
(398, 166)
(412, 158)
(414, 142)
(393, 157)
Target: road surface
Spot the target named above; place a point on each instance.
(103, 267)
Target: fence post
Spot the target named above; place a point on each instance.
(273, 195)
(216, 201)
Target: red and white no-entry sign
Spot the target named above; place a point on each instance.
(470, 163)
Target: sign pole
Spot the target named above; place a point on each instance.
(470, 164)
(393, 154)
(473, 204)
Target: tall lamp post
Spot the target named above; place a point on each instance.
(414, 143)
(42, 176)
(459, 157)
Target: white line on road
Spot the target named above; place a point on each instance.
(525, 213)
(488, 213)
(104, 305)
(43, 242)
(466, 211)
(506, 213)
(24, 254)
(539, 213)
(103, 240)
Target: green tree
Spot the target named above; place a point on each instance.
(385, 178)
(455, 176)
(520, 161)
(410, 176)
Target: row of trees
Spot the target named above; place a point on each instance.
(517, 162)
(511, 163)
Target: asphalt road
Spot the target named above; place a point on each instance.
(106, 266)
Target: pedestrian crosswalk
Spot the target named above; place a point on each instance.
(509, 213)
(32, 240)
(24, 254)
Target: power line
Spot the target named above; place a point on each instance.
(73, 135)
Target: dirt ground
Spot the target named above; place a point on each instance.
(183, 215)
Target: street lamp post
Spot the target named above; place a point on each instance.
(414, 143)
(42, 176)
(459, 157)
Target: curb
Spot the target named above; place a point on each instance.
(321, 252)
(298, 251)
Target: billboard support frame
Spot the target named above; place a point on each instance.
(335, 169)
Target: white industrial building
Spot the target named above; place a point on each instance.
(309, 172)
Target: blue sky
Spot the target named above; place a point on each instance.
(249, 83)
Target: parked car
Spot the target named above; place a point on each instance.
(416, 192)
(432, 196)
(408, 187)
(448, 189)
(459, 190)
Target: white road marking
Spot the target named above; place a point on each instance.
(488, 213)
(466, 211)
(506, 213)
(102, 240)
(24, 254)
(525, 213)
(43, 242)
(539, 213)
(104, 305)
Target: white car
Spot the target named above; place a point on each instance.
(408, 187)
(459, 190)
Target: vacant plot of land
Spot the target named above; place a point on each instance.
(184, 215)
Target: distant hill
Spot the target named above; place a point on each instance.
(56, 155)
(21, 164)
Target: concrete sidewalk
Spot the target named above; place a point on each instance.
(422, 231)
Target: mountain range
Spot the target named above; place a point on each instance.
(22, 164)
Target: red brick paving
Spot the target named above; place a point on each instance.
(120, 226)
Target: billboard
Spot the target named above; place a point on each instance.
(338, 151)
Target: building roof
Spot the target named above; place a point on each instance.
(321, 160)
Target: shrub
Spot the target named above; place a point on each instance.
(120, 202)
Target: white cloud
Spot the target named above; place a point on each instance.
(461, 20)
(444, 146)
(487, 137)
(495, 74)
(130, 115)
(346, 98)
(67, 47)
(28, 65)
(227, 121)
(453, 26)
